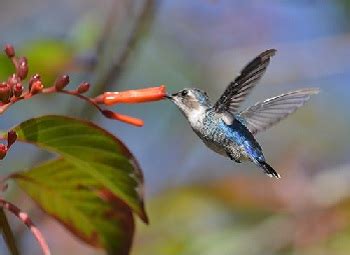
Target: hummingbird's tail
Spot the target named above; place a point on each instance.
(269, 170)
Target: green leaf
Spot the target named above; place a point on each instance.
(91, 150)
(80, 203)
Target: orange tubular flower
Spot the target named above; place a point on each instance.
(135, 96)
(123, 118)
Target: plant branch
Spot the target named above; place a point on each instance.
(117, 66)
(8, 234)
(22, 216)
(50, 90)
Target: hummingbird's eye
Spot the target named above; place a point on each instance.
(184, 93)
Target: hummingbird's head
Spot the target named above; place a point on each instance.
(190, 100)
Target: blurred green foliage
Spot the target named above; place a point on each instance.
(47, 57)
(249, 215)
(6, 67)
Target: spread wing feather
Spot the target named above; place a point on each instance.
(238, 89)
(267, 113)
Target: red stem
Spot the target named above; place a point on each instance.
(22, 216)
(49, 90)
(87, 99)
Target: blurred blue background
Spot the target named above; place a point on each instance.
(204, 44)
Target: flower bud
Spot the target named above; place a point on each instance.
(61, 82)
(83, 87)
(13, 80)
(11, 138)
(135, 96)
(10, 50)
(34, 78)
(36, 87)
(123, 118)
(22, 68)
(3, 151)
(5, 92)
(17, 90)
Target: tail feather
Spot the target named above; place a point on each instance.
(269, 170)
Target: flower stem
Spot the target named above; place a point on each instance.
(22, 216)
(8, 234)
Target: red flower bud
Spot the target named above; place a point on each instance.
(61, 82)
(5, 92)
(22, 68)
(83, 87)
(3, 151)
(135, 96)
(17, 90)
(34, 78)
(10, 50)
(36, 87)
(13, 80)
(123, 118)
(11, 138)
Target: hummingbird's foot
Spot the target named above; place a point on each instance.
(233, 158)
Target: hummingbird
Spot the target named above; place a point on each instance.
(230, 132)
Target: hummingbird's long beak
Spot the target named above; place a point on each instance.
(168, 96)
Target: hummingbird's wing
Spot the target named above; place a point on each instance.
(264, 114)
(238, 89)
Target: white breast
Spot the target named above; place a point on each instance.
(196, 117)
